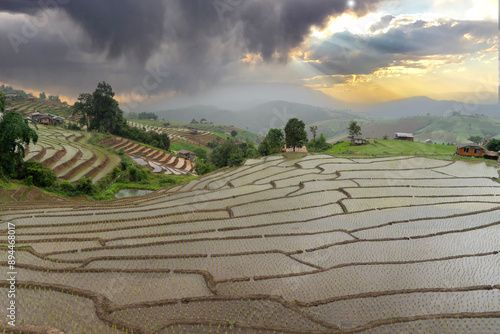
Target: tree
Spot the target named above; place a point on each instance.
(272, 143)
(147, 115)
(42, 96)
(227, 154)
(476, 139)
(313, 129)
(83, 108)
(2, 102)
(234, 133)
(295, 133)
(354, 130)
(494, 145)
(39, 175)
(200, 153)
(320, 145)
(132, 115)
(54, 98)
(15, 133)
(99, 110)
(193, 121)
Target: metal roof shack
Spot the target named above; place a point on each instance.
(404, 136)
(358, 140)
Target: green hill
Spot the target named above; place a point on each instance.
(452, 129)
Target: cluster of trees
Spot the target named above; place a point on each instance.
(10, 90)
(15, 133)
(229, 153)
(494, 145)
(232, 154)
(54, 98)
(100, 112)
(202, 121)
(142, 115)
(159, 140)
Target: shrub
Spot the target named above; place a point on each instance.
(73, 126)
(115, 172)
(85, 186)
(40, 176)
(125, 164)
(68, 187)
(202, 168)
(29, 181)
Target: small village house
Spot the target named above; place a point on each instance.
(187, 155)
(404, 136)
(31, 99)
(470, 149)
(47, 119)
(359, 140)
(14, 97)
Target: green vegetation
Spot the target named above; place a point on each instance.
(457, 128)
(180, 145)
(220, 130)
(36, 174)
(494, 145)
(2, 102)
(319, 145)
(99, 110)
(476, 139)
(388, 147)
(295, 133)
(15, 133)
(354, 129)
(227, 154)
(143, 116)
(272, 143)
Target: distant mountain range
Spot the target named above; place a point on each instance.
(259, 118)
(422, 105)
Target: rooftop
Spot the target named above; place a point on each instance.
(404, 134)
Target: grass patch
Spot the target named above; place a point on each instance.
(177, 146)
(154, 182)
(388, 147)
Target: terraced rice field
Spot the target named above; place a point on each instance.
(26, 107)
(180, 134)
(318, 245)
(159, 161)
(70, 155)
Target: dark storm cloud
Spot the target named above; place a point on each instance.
(117, 27)
(196, 41)
(346, 53)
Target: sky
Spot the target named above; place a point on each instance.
(155, 51)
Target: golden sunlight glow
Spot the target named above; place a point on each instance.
(346, 22)
(252, 59)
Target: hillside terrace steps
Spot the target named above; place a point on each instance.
(54, 158)
(73, 160)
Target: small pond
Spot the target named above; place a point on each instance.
(132, 192)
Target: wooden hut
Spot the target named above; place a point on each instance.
(470, 150)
